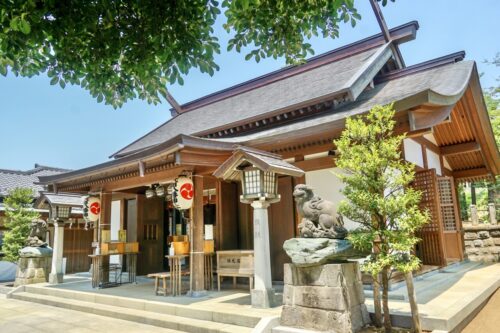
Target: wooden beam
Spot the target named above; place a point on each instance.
(148, 179)
(419, 132)
(185, 158)
(460, 148)
(471, 173)
(316, 164)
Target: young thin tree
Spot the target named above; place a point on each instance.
(19, 214)
(380, 197)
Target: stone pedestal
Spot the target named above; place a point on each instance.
(32, 270)
(263, 294)
(324, 298)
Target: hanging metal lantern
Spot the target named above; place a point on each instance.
(259, 184)
(183, 193)
(160, 190)
(150, 193)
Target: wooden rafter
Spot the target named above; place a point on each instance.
(460, 148)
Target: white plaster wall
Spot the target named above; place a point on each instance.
(115, 226)
(327, 185)
(413, 152)
(433, 161)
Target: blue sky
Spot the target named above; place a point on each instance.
(67, 128)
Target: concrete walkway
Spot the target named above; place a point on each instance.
(26, 317)
(448, 298)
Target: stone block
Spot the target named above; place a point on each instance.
(470, 236)
(327, 298)
(469, 243)
(472, 251)
(331, 275)
(478, 243)
(488, 242)
(483, 234)
(495, 233)
(496, 241)
(495, 250)
(315, 319)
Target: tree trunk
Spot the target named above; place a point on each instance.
(413, 302)
(385, 300)
(491, 192)
(376, 300)
(472, 193)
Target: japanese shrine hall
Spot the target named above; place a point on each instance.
(291, 117)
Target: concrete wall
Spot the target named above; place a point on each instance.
(328, 186)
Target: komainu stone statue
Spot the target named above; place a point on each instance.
(38, 234)
(319, 217)
(34, 259)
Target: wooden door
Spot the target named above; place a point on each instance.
(431, 247)
(77, 247)
(452, 230)
(226, 226)
(281, 226)
(150, 235)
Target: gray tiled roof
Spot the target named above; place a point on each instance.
(442, 85)
(10, 179)
(337, 77)
(67, 199)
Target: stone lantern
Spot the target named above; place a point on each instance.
(60, 206)
(258, 172)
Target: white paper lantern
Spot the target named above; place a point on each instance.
(94, 204)
(183, 193)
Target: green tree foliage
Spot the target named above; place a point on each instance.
(379, 194)
(19, 214)
(492, 99)
(121, 50)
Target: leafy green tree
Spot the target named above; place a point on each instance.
(121, 50)
(380, 197)
(19, 214)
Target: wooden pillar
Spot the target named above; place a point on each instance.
(105, 224)
(197, 241)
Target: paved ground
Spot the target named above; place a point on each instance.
(448, 297)
(25, 317)
(488, 320)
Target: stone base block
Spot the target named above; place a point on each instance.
(263, 298)
(197, 293)
(324, 298)
(32, 270)
(56, 278)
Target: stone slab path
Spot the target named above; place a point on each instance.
(447, 298)
(26, 317)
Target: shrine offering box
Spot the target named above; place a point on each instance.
(132, 247)
(209, 246)
(112, 248)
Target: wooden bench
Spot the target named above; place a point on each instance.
(163, 276)
(235, 263)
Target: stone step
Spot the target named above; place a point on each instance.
(169, 321)
(214, 315)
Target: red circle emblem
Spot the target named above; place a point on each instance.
(95, 208)
(186, 191)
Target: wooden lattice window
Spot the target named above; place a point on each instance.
(431, 249)
(447, 203)
(150, 232)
